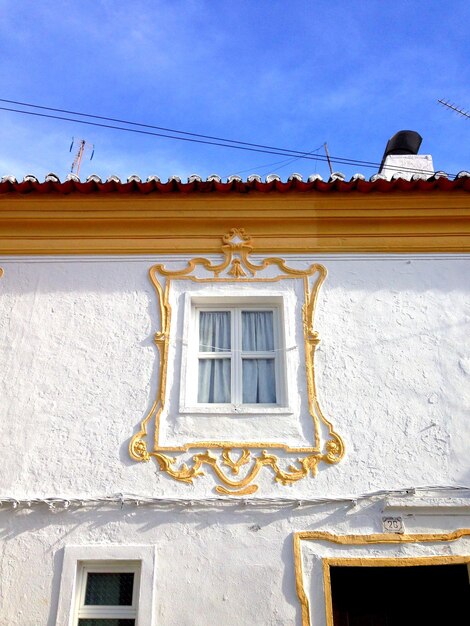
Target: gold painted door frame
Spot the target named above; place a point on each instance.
(366, 540)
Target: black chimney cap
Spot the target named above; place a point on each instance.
(402, 142)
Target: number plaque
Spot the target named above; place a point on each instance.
(393, 525)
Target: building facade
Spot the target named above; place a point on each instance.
(234, 403)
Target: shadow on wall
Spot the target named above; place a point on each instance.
(29, 530)
(58, 561)
(111, 276)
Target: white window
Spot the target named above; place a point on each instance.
(75, 607)
(107, 593)
(236, 354)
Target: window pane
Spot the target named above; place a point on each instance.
(109, 621)
(214, 331)
(257, 331)
(109, 589)
(259, 382)
(214, 381)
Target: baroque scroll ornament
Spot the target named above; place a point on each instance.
(236, 465)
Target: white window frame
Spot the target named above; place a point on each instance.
(72, 584)
(114, 611)
(190, 353)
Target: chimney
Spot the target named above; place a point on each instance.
(401, 158)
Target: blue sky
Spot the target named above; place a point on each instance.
(291, 74)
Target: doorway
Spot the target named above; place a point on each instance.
(415, 595)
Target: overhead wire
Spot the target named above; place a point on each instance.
(122, 499)
(194, 137)
(245, 146)
(280, 151)
(152, 126)
(289, 161)
(283, 163)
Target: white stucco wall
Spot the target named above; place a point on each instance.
(79, 372)
(230, 564)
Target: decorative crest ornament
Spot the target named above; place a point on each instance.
(243, 461)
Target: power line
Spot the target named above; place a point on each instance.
(129, 123)
(249, 146)
(281, 164)
(289, 153)
(122, 499)
(151, 126)
(245, 146)
(202, 139)
(288, 162)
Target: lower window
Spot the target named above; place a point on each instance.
(107, 593)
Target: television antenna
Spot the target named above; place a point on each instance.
(83, 146)
(454, 107)
(325, 145)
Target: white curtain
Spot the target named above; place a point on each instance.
(214, 331)
(257, 331)
(256, 344)
(214, 382)
(259, 382)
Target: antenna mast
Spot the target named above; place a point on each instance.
(325, 145)
(455, 108)
(82, 146)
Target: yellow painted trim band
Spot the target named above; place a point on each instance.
(191, 224)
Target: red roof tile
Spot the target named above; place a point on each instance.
(213, 184)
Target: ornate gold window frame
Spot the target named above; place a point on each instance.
(235, 268)
(363, 540)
